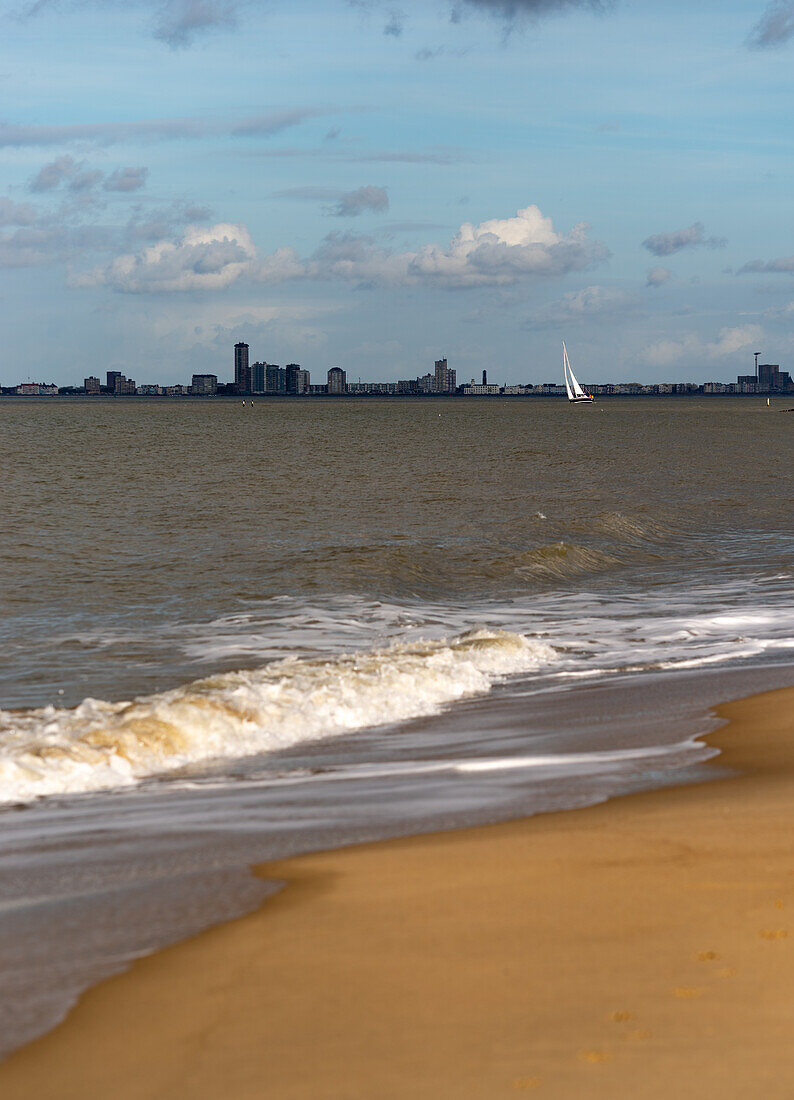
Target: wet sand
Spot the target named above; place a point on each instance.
(644, 947)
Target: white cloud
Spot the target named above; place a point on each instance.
(728, 341)
(204, 259)
(499, 252)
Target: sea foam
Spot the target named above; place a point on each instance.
(100, 745)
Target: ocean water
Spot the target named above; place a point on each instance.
(233, 632)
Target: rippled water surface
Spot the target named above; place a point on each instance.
(230, 632)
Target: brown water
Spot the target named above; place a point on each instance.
(230, 632)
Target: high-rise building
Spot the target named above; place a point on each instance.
(337, 380)
(111, 377)
(771, 378)
(91, 385)
(242, 372)
(297, 379)
(275, 379)
(444, 378)
(258, 377)
(204, 384)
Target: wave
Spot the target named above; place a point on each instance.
(100, 745)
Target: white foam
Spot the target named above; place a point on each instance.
(100, 745)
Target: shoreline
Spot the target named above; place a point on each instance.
(639, 944)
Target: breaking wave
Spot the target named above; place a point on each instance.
(99, 745)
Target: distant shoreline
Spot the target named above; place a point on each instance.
(377, 396)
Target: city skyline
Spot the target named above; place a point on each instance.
(348, 183)
(271, 379)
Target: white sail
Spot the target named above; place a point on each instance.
(572, 387)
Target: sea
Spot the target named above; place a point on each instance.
(235, 631)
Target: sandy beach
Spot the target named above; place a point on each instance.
(643, 947)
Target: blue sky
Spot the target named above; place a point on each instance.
(376, 185)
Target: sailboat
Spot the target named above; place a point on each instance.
(574, 390)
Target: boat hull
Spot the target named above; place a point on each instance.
(581, 400)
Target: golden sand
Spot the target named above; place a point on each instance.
(642, 948)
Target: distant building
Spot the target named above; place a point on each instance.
(337, 380)
(204, 385)
(772, 379)
(149, 389)
(123, 387)
(275, 379)
(242, 372)
(92, 385)
(111, 377)
(444, 378)
(297, 380)
(473, 390)
(258, 377)
(374, 388)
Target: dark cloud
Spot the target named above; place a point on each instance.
(784, 265)
(363, 199)
(146, 224)
(146, 130)
(180, 22)
(85, 180)
(665, 244)
(53, 174)
(513, 12)
(395, 24)
(126, 179)
(775, 27)
(275, 121)
(66, 170)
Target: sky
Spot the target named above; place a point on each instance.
(375, 186)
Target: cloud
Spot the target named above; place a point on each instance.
(665, 244)
(147, 130)
(658, 276)
(181, 21)
(203, 259)
(53, 174)
(31, 246)
(147, 224)
(513, 12)
(783, 265)
(16, 213)
(353, 203)
(503, 251)
(499, 252)
(590, 304)
(126, 179)
(775, 27)
(729, 341)
(396, 24)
